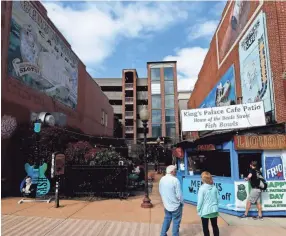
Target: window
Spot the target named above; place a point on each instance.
(169, 101)
(156, 130)
(170, 115)
(169, 87)
(102, 117)
(168, 73)
(156, 87)
(156, 116)
(171, 130)
(156, 102)
(199, 162)
(106, 118)
(155, 74)
(244, 160)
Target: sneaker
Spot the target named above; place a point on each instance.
(243, 216)
(257, 217)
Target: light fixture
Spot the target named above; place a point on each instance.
(144, 114)
(158, 140)
(47, 118)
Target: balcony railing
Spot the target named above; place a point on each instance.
(129, 86)
(129, 129)
(128, 100)
(129, 114)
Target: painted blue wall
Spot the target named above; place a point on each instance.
(225, 185)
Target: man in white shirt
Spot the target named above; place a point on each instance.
(171, 194)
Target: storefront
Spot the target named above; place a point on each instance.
(226, 155)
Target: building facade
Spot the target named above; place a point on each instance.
(245, 65)
(163, 99)
(129, 94)
(183, 99)
(46, 75)
(246, 60)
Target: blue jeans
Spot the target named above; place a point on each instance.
(176, 216)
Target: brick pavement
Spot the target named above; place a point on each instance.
(13, 225)
(112, 217)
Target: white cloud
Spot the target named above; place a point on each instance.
(202, 30)
(189, 63)
(95, 29)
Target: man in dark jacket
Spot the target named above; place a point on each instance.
(255, 192)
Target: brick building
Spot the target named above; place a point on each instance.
(129, 94)
(235, 34)
(88, 109)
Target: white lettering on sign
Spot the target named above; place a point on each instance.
(226, 117)
(274, 171)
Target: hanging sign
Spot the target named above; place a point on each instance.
(225, 117)
(260, 142)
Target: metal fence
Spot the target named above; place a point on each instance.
(100, 181)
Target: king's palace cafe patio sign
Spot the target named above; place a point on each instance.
(260, 142)
(226, 117)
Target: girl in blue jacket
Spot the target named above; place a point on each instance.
(207, 207)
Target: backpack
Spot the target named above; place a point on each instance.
(262, 181)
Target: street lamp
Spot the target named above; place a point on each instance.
(42, 118)
(39, 119)
(158, 140)
(144, 116)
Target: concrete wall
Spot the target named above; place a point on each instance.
(19, 100)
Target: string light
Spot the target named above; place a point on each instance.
(106, 137)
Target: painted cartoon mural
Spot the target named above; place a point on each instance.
(256, 84)
(223, 94)
(233, 25)
(39, 58)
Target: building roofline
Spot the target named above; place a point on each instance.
(133, 70)
(160, 62)
(129, 69)
(106, 78)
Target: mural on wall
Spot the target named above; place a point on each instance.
(242, 190)
(235, 19)
(223, 94)
(226, 192)
(255, 70)
(39, 58)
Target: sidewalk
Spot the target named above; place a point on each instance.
(115, 217)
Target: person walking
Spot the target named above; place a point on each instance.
(255, 192)
(171, 194)
(207, 207)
